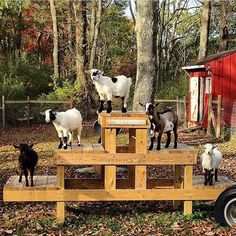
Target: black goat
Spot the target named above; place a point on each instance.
(162, 122)
(28, 159)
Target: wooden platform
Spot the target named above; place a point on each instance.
(46, 189)
(93, 154)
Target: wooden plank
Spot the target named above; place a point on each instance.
(188, 184)
(141, 141)
(218, 127)
(177, 182)
(13, 183)
(110, 177)
(61, 177)
(87, 148)
(151, 158)
(111, 195)
(41, 182)
(98, 148)
(140, 177)
(60, 212)
(132, 146)
(110, 141)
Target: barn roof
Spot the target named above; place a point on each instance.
(199, 64)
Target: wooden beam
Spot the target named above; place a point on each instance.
(188, 185)
(218, 127)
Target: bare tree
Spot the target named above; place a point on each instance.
(205, 24)
(224, 34)
(146, 27)
(55, 38)
(81, 42)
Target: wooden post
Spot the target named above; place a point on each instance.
(3, 112)
(28, 113)
(209, 114)
(218, 127)
(188, 184)
(185, 113)
(177, 182)
(61, 185)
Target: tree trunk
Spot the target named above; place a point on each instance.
(224, 34)
(96, 34)
(55, 38)
(205, 24)
(146, 27)
(81, 42)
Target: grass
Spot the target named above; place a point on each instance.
(100, 218)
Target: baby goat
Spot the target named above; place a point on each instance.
(211, 160)
(65, 123)
(108, 87)
(27, 161)
(162, 122)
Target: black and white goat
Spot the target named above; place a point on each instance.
(108, 87)
(65, 123)
(162, 122)
(210, 160)
(28, 159)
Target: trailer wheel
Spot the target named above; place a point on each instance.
(225, 207)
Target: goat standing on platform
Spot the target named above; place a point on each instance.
(162, 122)
(108, 87)
(211, 160)
(27, 161)
(65, 123)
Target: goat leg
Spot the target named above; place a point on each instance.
(26, 177)
(60, 144)
(100, 109)
(216, 175)
(205, 176)
(176, 136)
(210, 178)
(109, 108)
(159, 141)
(65, 142)
(123, 110)
(152, 141)
(21, 172)
(31, 177)
(168, 139)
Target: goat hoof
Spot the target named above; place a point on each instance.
(109, 110)
(205, 183)
(27, 185)
(99, 110)
(175, 146)
(65, 147)
(158, 148)
(60, 146)
(150, 148)
(166, 146)
(124, 110)
(79, 144)
(69, 144)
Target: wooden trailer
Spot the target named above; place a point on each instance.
(183, 186)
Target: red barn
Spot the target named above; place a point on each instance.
(215, 75)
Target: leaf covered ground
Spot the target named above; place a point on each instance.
(103, 218)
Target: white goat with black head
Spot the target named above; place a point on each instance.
(162, 122)
(65, 123)
(108, 87)
(210, 160)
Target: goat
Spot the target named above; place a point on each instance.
(108, 87)
(210, 160)
(65, 123)
(28, 159)
(162, 122)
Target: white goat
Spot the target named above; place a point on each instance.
(108, 87)
(65, 123)
(211, 160)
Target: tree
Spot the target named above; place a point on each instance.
(205, 24)
(55, 38)
(224, 33)
(146, 27)
(81, 42)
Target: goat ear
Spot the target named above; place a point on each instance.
(156, 104)
(43, 113)
(31, 145)
(215, 145)
(16, 146)
(141, 104)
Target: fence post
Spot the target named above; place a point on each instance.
(28, 113)
(3, 112)
(185, 113)
(218, 126)
(209, 114)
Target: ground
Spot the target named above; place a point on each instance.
(103, 218)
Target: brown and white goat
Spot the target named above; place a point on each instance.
(162, 122)
(28, 159)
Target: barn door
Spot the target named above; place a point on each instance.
(196, 91)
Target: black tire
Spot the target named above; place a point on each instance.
(225, 207)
